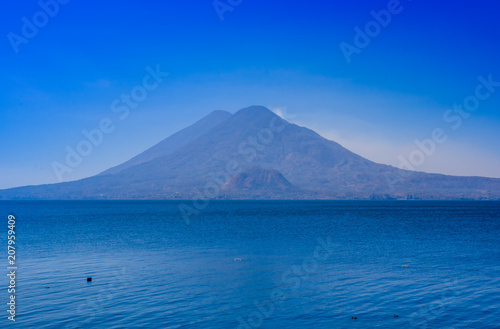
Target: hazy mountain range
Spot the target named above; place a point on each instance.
(254, 154)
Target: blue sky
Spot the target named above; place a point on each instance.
(64, 78)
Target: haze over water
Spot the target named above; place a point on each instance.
(268, 264)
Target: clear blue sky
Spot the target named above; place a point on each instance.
(280, 54)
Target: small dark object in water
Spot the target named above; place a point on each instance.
(396, 316)
(47, 287)
(89, 279)
(354, 318)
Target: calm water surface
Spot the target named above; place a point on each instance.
(247, 264)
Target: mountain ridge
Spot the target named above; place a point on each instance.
(174, 141)
(221, 147)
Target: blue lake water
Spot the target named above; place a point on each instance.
(249, 264)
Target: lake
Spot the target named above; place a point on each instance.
(255, 264)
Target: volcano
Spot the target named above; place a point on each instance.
(255, 154)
